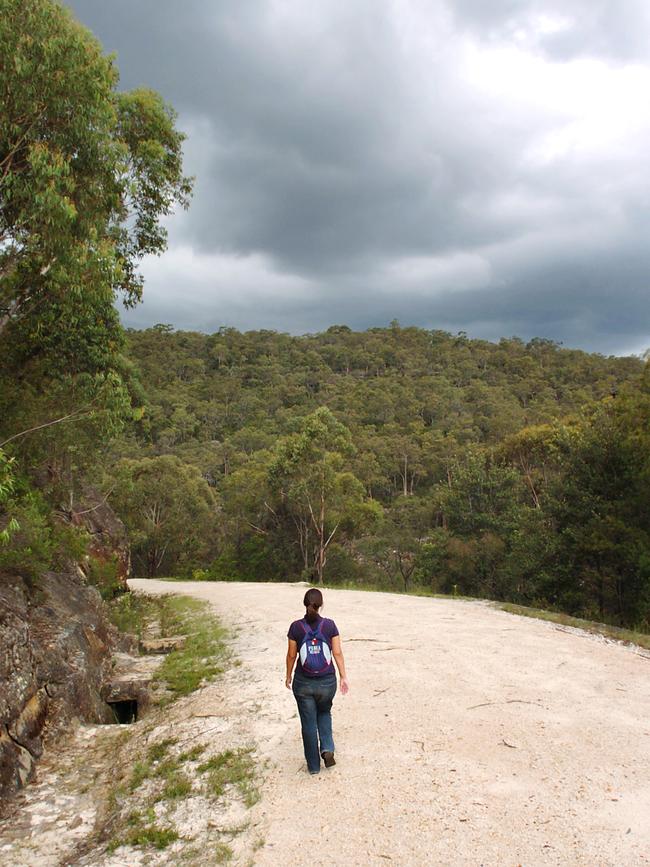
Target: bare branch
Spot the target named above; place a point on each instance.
(77, 414)
(331, 535)
(101, 503)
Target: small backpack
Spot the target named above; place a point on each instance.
(315, 652)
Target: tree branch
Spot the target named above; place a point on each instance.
(100, 503)
(331, 535)
(71, 416)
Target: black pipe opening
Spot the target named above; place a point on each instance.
(125, 712)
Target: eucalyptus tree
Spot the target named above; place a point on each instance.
(170, 513)
(310, 477)
(86, 174)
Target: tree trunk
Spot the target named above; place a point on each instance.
(321, 538)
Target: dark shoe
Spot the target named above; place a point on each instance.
(328, 758)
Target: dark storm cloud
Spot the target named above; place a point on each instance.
(323, 151)
(363, 161)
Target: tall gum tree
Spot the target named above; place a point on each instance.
(308, 475)
(86, 173)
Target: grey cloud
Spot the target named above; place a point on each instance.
(335, 140)
(327, 152)
(613, 29)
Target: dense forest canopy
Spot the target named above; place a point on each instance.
(396, 457)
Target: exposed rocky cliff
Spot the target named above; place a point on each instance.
(55, 649)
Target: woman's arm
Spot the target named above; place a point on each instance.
(292, 653)
(340, 663)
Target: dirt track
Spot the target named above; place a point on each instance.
(469, 737)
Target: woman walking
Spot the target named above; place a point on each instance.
(314, 641)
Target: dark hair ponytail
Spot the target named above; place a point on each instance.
(312, 602)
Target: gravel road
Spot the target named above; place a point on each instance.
(469, 736)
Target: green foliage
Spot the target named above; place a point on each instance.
(201, 659)
(39, 540)
(86, 176)
(601, 509)
(31, 551)
(344, 568)
(169, 511)
(83, 190)
(104, 575)
(437, 462)
(8, 521)
(256, 558)
(481, 496)
(309, 478)
(204, 653)
(133, 612)
(146, 835)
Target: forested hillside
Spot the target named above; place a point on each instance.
(396, 457)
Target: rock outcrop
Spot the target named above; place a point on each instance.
(108, 537)
(55, 652)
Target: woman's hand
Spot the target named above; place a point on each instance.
(345, 686)
(287, 683)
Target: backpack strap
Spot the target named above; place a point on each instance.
(317, 633)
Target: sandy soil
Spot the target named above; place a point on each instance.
(469, 737)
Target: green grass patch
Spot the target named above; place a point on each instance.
(231, 768)
(149, 835)
(168, 771)
(193, 754)
(221, 775)
(159, 750)
(222, 853)
(141, 772)
(134, 612)
(178, 786)
(205, 653)
(627, 636)
(158, 765)
(138, 612)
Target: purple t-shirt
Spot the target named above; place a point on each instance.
(297, 633)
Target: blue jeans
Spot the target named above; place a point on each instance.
(314, 698)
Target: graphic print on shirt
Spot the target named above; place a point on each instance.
(315, 652)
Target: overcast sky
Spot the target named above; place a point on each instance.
(455, 164)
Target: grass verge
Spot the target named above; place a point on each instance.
(163, 776)
(204, 654)
(153, 779)
(626, 636)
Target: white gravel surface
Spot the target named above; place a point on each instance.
(469, 736)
